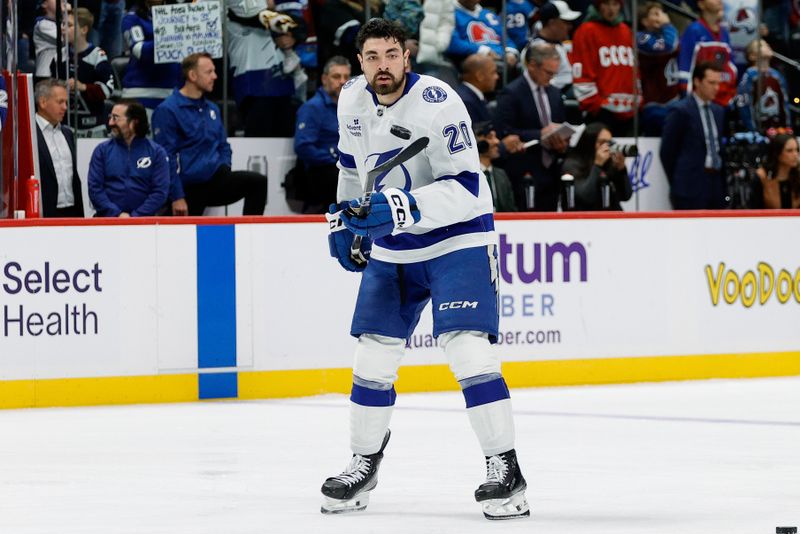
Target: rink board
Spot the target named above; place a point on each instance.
(166, 310)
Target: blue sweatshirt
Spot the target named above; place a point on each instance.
(317, 131)
(191, 132)
(132, 179)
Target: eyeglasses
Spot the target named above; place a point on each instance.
(116, 118)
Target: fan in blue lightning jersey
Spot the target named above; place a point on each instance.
(145, 80)
(431, 230)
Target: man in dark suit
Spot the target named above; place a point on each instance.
(58, 170)
(532, 109)
(479, 78)
(690, 144)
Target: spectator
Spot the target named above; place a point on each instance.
(556, 18)
(518, 13)
(435, 32)
(262, 84)
(762, 99)
(145, 80)
(3, 103)
(658, 65)
(778, 184)
(499, 183)
(338, 22)
(479, 78)
(45, 35)
(129, 173)
(189, 127)
(603, 67)
(532, 109)
(292, 63)
(478, 31)
(317, 137)
(95, 79)
(58, 170)
(690, 144)
(704, 40)
(108, 32)
(601, 179)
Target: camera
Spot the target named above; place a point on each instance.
(629, 151)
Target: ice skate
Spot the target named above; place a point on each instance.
(502, 496)
(349, 491)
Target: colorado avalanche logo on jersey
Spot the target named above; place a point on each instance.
(480, 33)
(434, 94)
(393, 175)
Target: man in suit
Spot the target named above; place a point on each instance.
(58, 170)
(532, 109)
(690, 144)
(478, 78)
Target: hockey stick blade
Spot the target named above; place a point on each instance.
(417, 146)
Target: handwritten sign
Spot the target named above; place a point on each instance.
(184, 29)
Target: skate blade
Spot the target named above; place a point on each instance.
(341, 506)
(514, 507)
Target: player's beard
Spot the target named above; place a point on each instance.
(387, 89)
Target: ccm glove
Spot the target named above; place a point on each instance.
(340, 240)
(390, 210)
(277, 22)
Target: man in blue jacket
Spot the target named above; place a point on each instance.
(317, 136)
(190, 129)
(128, 174)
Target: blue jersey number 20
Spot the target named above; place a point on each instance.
(457, 136)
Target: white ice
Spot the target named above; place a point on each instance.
(688, 457)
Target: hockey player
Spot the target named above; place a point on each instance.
(429, 235)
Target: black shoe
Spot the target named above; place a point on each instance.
(349, 491)
(503, 494)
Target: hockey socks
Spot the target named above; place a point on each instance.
(489, 410)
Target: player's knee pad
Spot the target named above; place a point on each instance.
(469, 354)
(377, 359)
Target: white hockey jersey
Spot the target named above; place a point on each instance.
(452, 194)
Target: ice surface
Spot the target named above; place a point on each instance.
(686, 457)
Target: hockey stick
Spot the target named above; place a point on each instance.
(404, 155)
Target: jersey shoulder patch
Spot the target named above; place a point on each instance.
(434, 94)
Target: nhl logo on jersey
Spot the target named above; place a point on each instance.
(434, 94)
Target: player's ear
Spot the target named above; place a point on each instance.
(407, 59)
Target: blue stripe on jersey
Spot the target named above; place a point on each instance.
(372, 397)
(485, 393)
(347, 160)
(469, 180)
(482, 223)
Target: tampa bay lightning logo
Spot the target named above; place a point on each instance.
(373, 160)
(434, 94)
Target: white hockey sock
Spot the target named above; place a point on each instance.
(368, 426)
(494, 426)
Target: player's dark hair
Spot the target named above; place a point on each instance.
(700, 69)
(134, 111)
(381, 29)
